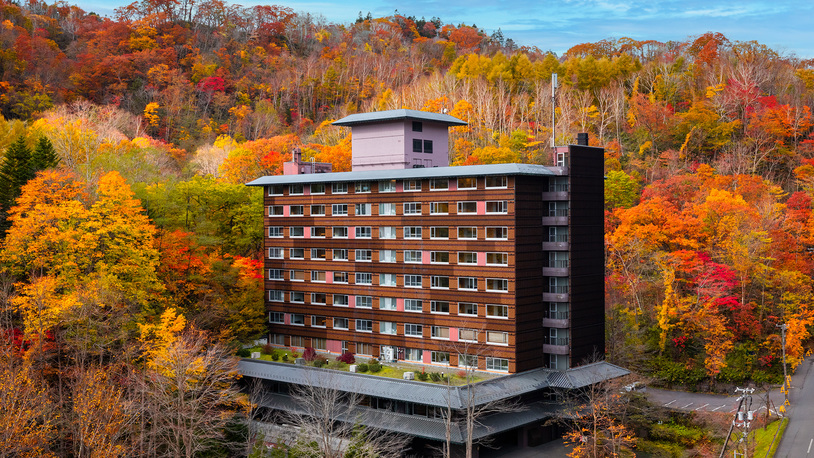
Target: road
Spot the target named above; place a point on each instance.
(681, 400)
(798, 440)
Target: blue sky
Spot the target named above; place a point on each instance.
(786, 26)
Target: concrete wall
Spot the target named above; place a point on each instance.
(389, 145)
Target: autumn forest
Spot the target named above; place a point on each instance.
(131, 265)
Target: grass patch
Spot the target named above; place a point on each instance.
(763, 438)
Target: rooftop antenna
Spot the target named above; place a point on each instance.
(553, 111)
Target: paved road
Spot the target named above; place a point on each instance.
(711, 402)
(798, 440)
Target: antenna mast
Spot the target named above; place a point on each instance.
(553, 111)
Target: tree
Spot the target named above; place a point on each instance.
(330, 425)
(15, 171)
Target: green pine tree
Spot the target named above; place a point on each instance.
(15, 171)
(44, 155)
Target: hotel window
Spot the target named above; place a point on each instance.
(413, 330)
(439, 282)
(497, 182)
(412, 232)
(296, 253)
(297, 341)
(468, 283)
(497, 338)
(387, 279)
(362, 187)
(317, 321)
(318, 188)
(340, 254)
(363, 348)
(439, 306)
(558, 234)
(387, 303)
(412, 281)
(387, 327)
(387, 186)
(275, 210)
(412, 208)
(439, 232)
(341, 300)
(319, 343)
(298, 319)
(413, 305)
(296, 275)
(363, 209)
(318, 254)
(497, 364)
(296, 210)
(497, 259)
(497, 311)
(364, 325)
(317, 210)
(276, 232)
(275, 253)
(558, 285)
(276, 274)
(277, 339)
(558, 209)
(296, 232)
(412, 256)
(364, 232)
(467, 308)
(276, 296)
(422, 146)
(467, 207)
(387, 255)
(364, 302)
(467, 183)
(340, 323)
(319, 298)
(339, 209)
(439, 257)
(439, 184)
(428, 146)
(340, 232)
(497, 284)
(468, 232)
(558, 259)
(439, 208)
(413, 354)
(439, 332)
(387, 232)
(318, 276)
(318, 232)
(297, 296)
(558, 184)
(296, 189)
(276, 190)
(440, 357)
(497, 233)
(497, 206)
(418, 126)
(467, 257)
(364, 278)
(468, 335)
(276, 317)
(339, 188)
(387, 209)
(340, 277)
(412, 185)
(364, 255)
(467, 360)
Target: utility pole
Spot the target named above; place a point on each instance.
(786, 384)
(742, 420)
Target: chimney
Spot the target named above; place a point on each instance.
(582, 139)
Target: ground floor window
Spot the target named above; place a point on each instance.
(497, 364)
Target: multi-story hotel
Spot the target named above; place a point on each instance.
(498, 267)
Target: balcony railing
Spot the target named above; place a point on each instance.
(557, 315)
(558, 289)
(556, 340)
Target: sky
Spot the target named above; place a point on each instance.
(787, 26)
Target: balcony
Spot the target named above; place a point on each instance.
(559, 320)
(555, 297)
(556, 345)
(555, 220)
(555, 271)
(556, 246)
(555, 195)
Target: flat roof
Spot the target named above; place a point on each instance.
(395, 115)
(401, 174)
